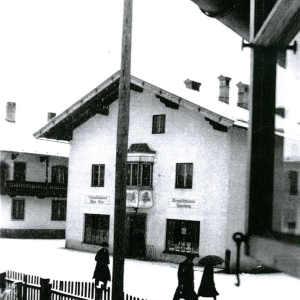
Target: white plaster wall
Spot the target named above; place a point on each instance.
(188, 138)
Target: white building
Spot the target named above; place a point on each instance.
(186, 170)
(33, 182)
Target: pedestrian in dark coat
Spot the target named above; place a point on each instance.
(185, 274)
(102, 272)
(207, 286)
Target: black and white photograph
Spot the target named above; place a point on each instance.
(150, 149)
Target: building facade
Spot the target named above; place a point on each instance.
(185, 174)
(34, 178)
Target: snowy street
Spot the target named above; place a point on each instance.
(149, 280)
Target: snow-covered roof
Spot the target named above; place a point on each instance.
(97, 101)
(17, 137)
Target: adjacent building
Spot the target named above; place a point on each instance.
(34, 176)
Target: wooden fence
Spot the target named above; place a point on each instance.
(18, 286)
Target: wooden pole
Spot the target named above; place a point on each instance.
(121, 156)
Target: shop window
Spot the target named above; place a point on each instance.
(19, 171)
(98, 172)
(293, 179)
(158, 125)
(59, 209)
(96, 229)
(59, 175)
(182, 236)
(184, 175)
(18, 206)
(139, 174)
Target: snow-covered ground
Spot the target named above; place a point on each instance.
(149, 280)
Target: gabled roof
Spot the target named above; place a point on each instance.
(98, 100)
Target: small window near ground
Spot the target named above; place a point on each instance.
(59, 209)
(18, 206)
(98, 172)
(158, 125)
(182, 236)
(96, 229)
(184, 175)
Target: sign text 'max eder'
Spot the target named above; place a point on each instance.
(96, 199)
(183, 203)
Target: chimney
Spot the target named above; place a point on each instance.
(50, 116)
(224, 89)
(192, 85)
(243, 95)
(11, 112)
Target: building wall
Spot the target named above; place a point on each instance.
(37, 213)
(188, 138)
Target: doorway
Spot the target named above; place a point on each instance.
(135, 246)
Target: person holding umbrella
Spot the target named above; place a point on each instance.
(207, 286)
(185, 274)
(102, 272)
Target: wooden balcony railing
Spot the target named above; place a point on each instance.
(38, 189)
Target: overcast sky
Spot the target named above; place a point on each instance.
(54, 52)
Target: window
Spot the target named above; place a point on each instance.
(184, 176)
(20, 171)
(18, 206)
(182, 236)
(96, 229)
(139, 174)
(59, 208)
(59, 175)
(98, 172)
(293, 178)
(158, 125)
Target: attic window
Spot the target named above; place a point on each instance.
(192, 85)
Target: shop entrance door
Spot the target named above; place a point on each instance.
(135, 235)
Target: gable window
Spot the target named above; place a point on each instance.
(18, 206)
(59, 208)
(19, 171)
(293, 179)
(158, 125)
(59, 175)
(182, 236)
(96, 229)
(139, 174)
(98, 172)
(184, 175)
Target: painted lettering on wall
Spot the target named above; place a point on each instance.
(97, 199)
(183, 203)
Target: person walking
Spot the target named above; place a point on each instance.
(207, 286)
(185, 274)
(102, 272)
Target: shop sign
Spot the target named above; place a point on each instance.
(183, 203)
(139, 198)
(97, 199)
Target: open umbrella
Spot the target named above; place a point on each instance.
(210, 260)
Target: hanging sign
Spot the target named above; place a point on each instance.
(97, 199)
(183, 203)
(139, 199)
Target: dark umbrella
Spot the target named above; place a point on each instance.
(210, 260)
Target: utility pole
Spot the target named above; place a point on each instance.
(121, 156)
